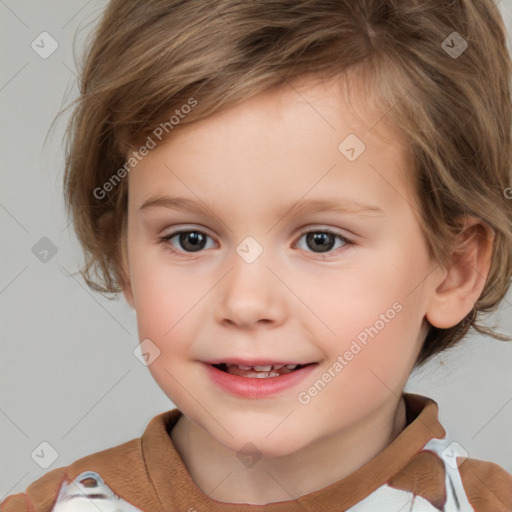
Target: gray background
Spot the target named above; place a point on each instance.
(68, 374)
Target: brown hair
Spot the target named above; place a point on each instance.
(149, 58)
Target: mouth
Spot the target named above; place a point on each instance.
(257, 379)
(261, 371)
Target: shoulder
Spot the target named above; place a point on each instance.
(487, 485)
(41, 495)
(440, 475)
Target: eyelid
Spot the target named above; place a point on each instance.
(348, 241)
(326, 229)
(186, 228)
(301, 231)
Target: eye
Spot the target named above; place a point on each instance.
(321, 241)
(190, 241)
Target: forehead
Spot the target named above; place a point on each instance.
(313, 105)
(293, 135)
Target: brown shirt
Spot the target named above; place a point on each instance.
(421, 470)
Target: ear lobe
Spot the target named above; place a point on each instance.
(466, 275)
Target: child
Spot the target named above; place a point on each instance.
(214, 144)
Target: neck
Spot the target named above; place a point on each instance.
(216, 470)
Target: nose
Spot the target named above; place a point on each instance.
(251, 295)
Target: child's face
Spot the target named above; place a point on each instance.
(303, 299)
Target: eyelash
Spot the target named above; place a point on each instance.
(169, 246)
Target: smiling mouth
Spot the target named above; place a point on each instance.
(259, 372)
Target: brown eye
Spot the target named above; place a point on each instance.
(187, 241)
(323, 241)
(192, 240)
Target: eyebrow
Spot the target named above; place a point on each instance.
(301, 207)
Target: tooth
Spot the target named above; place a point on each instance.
(262, 375)
(278, 366)
(266, 368)
(242, 367)
(273, 374)
(291, 366)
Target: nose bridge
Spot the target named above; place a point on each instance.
(250, 293)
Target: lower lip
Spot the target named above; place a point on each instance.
(252, 387)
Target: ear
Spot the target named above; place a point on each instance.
(466, 275)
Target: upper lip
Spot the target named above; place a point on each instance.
(254, 362)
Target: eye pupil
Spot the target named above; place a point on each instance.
(317, 241)
(192, 240)
(324, 241)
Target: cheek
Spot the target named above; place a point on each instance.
(363, 304)
(372, 365)
(163, 301)
(375, 316)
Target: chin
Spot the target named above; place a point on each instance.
(251, 441)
